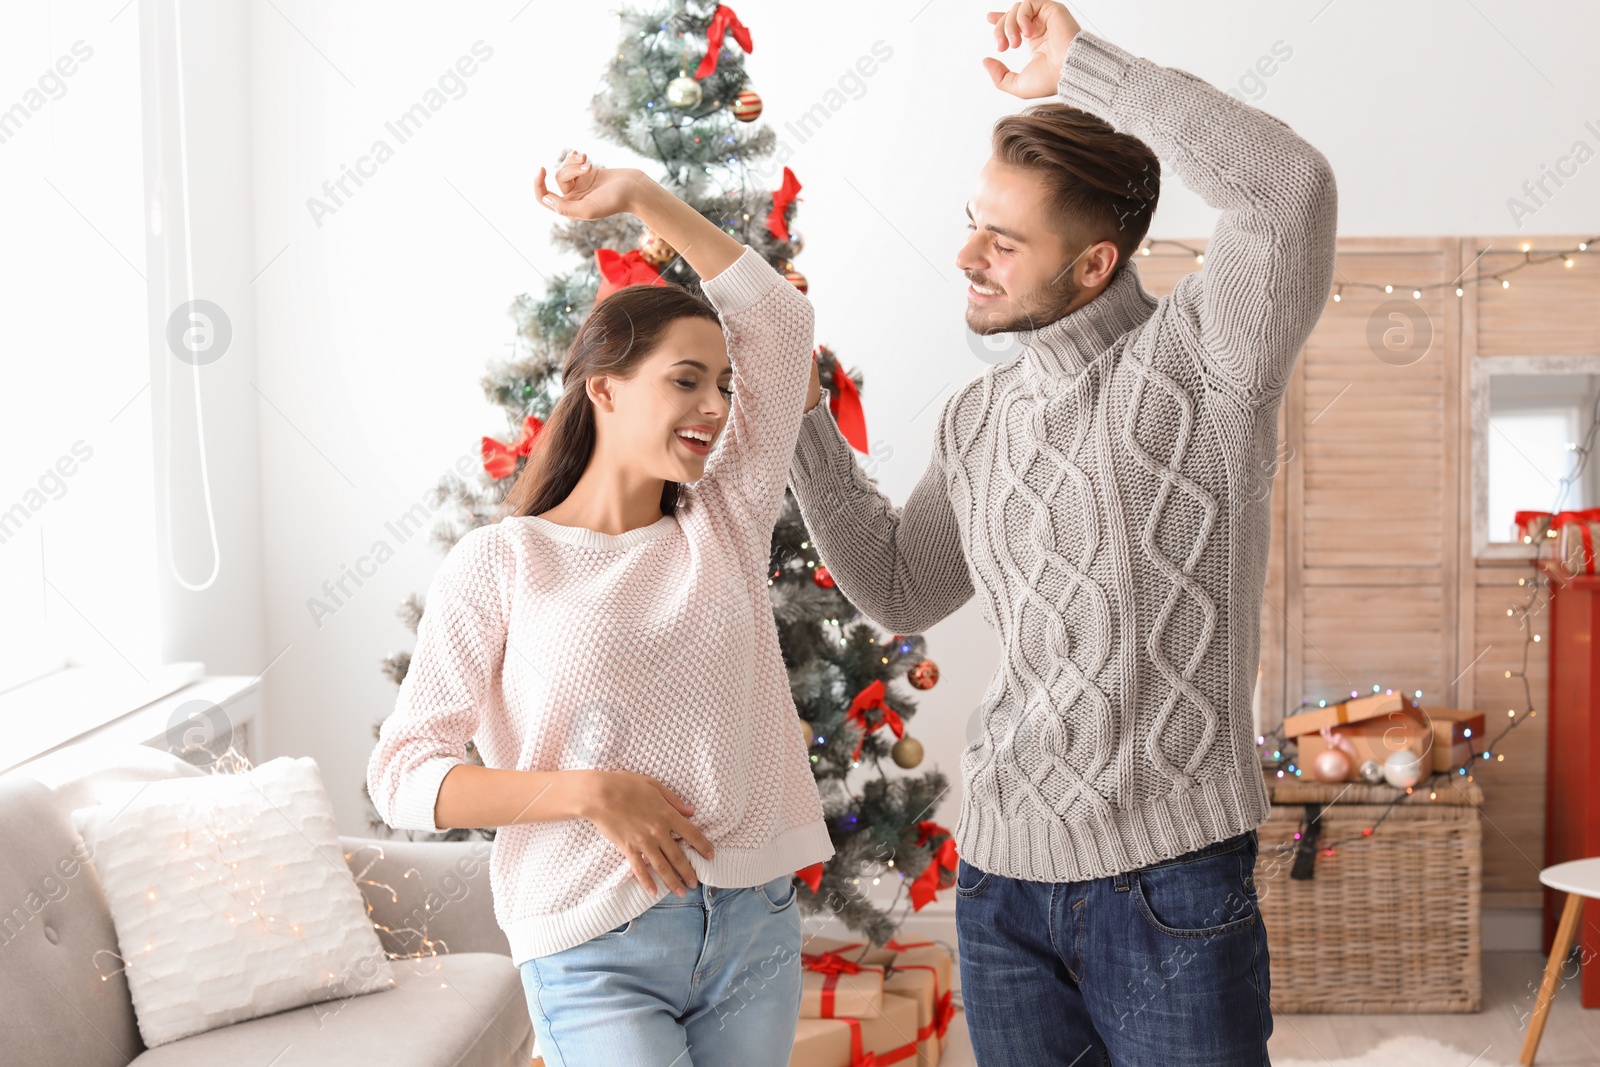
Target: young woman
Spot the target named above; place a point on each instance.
(609, 647)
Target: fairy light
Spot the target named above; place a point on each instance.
(206, 846)
(1524, 611)
(1531, 257)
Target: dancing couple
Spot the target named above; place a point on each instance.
(609, 646)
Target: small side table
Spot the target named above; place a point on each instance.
(1579, 879)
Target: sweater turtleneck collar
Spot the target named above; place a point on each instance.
(1070, 343)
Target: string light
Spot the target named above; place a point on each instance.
(205, 845)
(1530, 257)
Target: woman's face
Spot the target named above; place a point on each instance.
(668, 415)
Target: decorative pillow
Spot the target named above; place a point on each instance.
(231, 898)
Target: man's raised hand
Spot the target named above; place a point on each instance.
(1048, 28)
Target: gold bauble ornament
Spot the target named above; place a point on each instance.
(811, 733)
(683, 92)
(654, 250)
(907, 752)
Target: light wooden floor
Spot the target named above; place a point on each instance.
(1510, 979)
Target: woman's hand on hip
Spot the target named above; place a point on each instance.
(645, 820)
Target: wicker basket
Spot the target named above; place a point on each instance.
(1391, 923)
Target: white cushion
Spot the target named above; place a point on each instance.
(231, 897)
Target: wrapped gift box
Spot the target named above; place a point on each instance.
(1357, 709)
(1577, 540)
(922, 974)
(890, 1036)
(835, 986)
(1375, 739)
(1454, 732)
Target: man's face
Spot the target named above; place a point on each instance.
(1022, 274)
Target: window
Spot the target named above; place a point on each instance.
(77, 524)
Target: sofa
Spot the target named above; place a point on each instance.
(462, 1008)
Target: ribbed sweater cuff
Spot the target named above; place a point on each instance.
(741, 283)
(1092, 72)
(417, 793)
(821, 453)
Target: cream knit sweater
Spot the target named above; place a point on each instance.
(1105, 493)
(554, 647)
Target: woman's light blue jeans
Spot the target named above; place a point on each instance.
(709, 978)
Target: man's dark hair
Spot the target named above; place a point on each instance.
(1101, 185)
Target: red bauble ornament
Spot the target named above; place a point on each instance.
(796, 279)
(747, 106)
(821, 576)
(924, 675)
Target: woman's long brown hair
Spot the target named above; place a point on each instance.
(619, 333)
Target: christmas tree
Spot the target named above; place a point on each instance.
(677, 93)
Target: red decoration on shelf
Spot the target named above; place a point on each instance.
(618, 271)
(499, 459)
(781, 199)
(872, 697)
(821, 576)
(924, 675)
(723, 20)
(796, 279)
(1581, 520)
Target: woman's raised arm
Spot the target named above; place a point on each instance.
(594, 192)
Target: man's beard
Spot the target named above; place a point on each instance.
(1032, 310)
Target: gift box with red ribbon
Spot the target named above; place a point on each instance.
(887, 1036)
(833, 986)
(922, 973)
(1532, 525)
(1577, 535)
(919, 971)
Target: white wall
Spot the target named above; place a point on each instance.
(372, 329)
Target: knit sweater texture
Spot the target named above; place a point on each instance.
(555, 648)
(1106, 494)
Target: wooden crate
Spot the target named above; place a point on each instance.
(1390, 923)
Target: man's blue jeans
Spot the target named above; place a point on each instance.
(1165, 966)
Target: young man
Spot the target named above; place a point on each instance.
(1102, 492)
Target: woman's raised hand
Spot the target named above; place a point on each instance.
(588, 191)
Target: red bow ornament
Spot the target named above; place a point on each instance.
(845, 403)
(781, 199)
(500, 460)
(925, 887)
(723, 20)
(872, 697)
(618, 270)
(811, 876)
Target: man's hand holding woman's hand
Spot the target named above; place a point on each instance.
(1048, 28)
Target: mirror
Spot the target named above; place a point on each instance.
(1530, 413)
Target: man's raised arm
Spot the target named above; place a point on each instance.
(903, 567)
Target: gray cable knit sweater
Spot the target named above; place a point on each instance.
(1106, 494)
